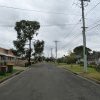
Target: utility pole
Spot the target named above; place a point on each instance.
(56, 48)
(84, 35)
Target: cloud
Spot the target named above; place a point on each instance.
(54, 17)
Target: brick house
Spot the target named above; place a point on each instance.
(6, 56)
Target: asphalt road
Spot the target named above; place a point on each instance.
(47, 82)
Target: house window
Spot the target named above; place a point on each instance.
(6, 51)
(2, 57)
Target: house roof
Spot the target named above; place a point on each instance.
(8, 53)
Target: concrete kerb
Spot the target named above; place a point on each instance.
(94, 81)
(13, 75)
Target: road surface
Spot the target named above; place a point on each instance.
(47, 82)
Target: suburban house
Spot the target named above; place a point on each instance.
(6, 56)
(94, 58)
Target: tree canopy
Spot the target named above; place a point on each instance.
(79, 51)
(38, 47)
(26, 29)
(25, 32)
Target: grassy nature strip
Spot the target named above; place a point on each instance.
(92, 73)
(8, 74)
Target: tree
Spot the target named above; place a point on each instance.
(14, 52)
(20, 44)
(38, 48)
(25, 32)
(71, 58)
(79, 51)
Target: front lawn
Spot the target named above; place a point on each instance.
(15, 69)
(7, 74)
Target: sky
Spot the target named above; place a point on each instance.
(59, 20)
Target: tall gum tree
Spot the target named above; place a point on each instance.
(38, 49)
(25, 33)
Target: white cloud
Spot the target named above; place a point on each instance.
(48, 15)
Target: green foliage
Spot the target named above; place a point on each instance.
(79, 51)
(71, 58)
(25, 32)
(62, 60)
(81, 63)
(27, 53)
(26, 29)
(38, 48)
(14, 52)
(91, 73)
(98, 68)
(49, 59)
(19, 44)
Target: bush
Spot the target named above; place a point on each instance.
(91, 66)
(71, 60)
(98, 68)
(10, 68)
(81, 63)
(3, 70)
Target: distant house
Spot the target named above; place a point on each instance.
(94, 58)
(79, 59)
(6, 56)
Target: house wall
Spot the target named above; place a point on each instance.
(6, 57)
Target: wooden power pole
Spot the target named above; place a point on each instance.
(84, 34)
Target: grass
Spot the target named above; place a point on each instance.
(91, 73)
(8, 74)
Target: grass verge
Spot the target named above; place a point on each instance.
(7, 75)
(91, 73)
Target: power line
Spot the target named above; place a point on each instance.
(74, 36)
(32, 10)
(6, 25)
(92, 8)
(72, 29)
(70, 44)
(56, 25)
(93, 27)
(73, 39)
(75, 44)
(41, 25)
(90, 12)
(96, 22)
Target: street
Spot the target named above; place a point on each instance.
(48, 82)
